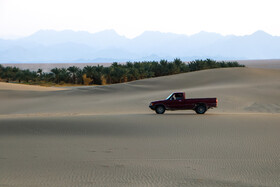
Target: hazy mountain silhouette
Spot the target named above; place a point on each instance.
(108, 46)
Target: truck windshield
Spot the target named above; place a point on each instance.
(169, 96)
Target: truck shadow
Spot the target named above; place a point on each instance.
(179, 114)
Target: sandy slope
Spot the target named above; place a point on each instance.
(238, 90)
(107, 135)
(23, 87)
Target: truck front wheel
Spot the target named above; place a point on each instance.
(200, 109)
(160, 109)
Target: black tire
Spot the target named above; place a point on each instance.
(200, 109)
(160, 109)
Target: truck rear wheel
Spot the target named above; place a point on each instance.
(160, 109)
(200, 109)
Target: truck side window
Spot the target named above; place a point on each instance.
(179, 96)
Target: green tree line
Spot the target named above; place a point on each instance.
(116, 73)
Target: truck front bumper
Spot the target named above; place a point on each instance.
(152, 107)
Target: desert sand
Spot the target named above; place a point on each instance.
(107, 135)
(267, 64)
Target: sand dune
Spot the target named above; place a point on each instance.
(266, 64)
(107, 135)
(238, 90)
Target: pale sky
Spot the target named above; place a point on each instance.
(132, 17)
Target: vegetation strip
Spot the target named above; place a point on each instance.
(116, 73)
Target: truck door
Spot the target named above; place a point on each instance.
(175, 102)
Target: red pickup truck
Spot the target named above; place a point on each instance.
(177, 101)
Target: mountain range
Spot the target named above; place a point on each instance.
(47, 46)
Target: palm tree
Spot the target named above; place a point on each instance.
(163, 67)
(39, 71)
(28, 75)
(179, 65)
(98, 74)
(56, 72)
(91, 73)
(133, 74)
(20, 76)
(64, 75)
(80, 74)
(107, 74)
(8, 73)
(73, 73)
(1, 71)
(118, 73)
